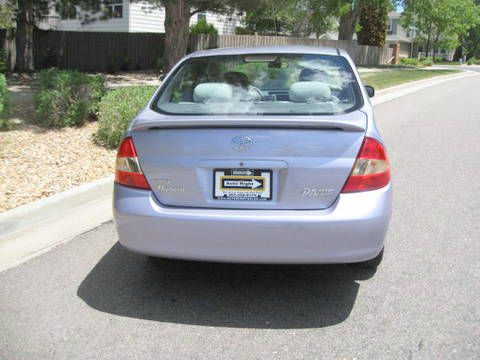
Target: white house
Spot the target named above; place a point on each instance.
(135, 16)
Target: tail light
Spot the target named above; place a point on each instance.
(127, 169)
(371, 170)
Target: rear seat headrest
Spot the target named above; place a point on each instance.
(212, 92)
(304, 91)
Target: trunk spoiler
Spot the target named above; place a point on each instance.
(149, 120)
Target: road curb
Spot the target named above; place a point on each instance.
(34, 228)
(24, 216)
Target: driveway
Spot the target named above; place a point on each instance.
(90, 298)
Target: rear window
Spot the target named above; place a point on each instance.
(268, 84)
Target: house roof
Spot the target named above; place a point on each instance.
(399, 38)
(394, 15)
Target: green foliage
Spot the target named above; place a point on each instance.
(440, 23)
(202, 27)
(66, 97)
(471, 42)
(373, 23)
(240, 30)
(116, 111)
(4, 103)
(409, 62)
(3, 61)
(426, 61)
(473, 61)
(7, 11)
(292, 17)
(423, 61)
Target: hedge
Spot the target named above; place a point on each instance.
(117, 109)
(67, 97)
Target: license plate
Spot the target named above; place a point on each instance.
(242, 184)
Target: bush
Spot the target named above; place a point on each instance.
(3, 61)
(426, 61)
(4, 103)
(202, 27)
(473, 61)
(117, 109)
(66, 97)
(239, 30)
(423, 61)
(409, 62)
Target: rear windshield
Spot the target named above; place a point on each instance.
(272, 84)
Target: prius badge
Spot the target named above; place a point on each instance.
(241, 143)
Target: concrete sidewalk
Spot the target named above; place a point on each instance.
(33, 229)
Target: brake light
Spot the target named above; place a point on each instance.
(371, 169)
(127, 169)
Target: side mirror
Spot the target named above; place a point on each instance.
(370, 90)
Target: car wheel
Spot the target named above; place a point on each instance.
(372, 263)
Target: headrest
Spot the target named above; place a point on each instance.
(304, 91)
(308, 74)
(236, 78)
(212, 92)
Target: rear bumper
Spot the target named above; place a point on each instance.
(351, 230)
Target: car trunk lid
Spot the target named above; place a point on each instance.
(304, 162)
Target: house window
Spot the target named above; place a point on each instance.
(201, 17)
(389, 27)
(114, 9)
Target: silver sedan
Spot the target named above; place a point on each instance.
(257, 155)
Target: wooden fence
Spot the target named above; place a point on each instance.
(361, 54)
(111, 52)
(97, 51)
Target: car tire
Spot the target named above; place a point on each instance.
(372, 263)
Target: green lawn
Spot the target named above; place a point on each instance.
(384, 79)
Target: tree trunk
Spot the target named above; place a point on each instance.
(348, 22)
(177, 20)
(10, 50)
(24, 36)
(429, 35)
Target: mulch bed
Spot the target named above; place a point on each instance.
(36, 162)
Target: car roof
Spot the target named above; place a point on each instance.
(292, 49)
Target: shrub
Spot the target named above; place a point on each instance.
(66, 97)
(239, 30)
(409, 61)
(202, 27)
(3, 61)
(426, 61)
(116, 111)
(473, 61)
(4, 103)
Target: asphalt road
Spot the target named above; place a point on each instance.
(91, 299)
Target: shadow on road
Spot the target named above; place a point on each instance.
(229, 295)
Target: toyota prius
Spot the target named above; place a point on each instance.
(256, 155)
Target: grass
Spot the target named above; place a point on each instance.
(384, 79)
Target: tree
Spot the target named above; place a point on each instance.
(440, 23)
(177, 20)
(373, 22)
(292, 17)
(471, 41)
(6, 15)
(349, 14)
